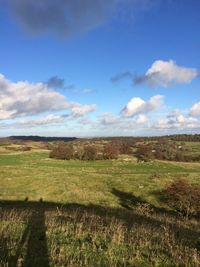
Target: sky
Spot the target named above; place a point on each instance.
(89, 68)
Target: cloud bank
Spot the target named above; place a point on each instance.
(22, 98)
(178, 122)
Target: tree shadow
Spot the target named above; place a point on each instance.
(160, 217)
(127, 200)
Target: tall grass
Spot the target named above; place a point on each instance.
(49, 234)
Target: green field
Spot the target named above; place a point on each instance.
(85, 213)
(35, 176)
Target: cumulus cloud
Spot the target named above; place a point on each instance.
(109, 119)
(26, 99)
(78, 110)
(138, 106)
(142, 119)
(111, 122)
(195, 110)
(166, 73)
(176, 120)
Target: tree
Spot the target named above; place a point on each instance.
(111, 151)
(145, 153)
(62, 151)
(89, 153)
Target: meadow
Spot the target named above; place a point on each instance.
(93, 213)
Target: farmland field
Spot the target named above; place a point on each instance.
(92, 213)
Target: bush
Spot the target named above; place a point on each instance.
(123, 146)
(144, 153)
(62, 151)
(89, 153)
(110, 151)
(79, 153)
(26, 148)
(183, 197)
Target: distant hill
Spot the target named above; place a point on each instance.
(175, 137)
(41, 138)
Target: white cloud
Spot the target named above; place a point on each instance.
(142, 119)
(112, 123)
(23, 98)
(79, 110)
(195, 110)
(47, 120)
(166, 73)
(26, 99)
(30, 123)
(138, 106)
(109, 119)
(178, 121)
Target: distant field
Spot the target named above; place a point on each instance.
(35, 176)
(58, 213)
(193, 147)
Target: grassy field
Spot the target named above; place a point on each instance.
(101, 213)
(193, 148)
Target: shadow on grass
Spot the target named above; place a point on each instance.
(127, 200)
(33, 243)
(130, 202)
(33, 239)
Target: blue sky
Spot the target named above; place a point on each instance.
(99, 68)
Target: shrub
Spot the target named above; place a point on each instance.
(62, 151)
(183, 197)
(26, 148)
(144, 153)
(89, 153)
(110, 151)
(125, 148)
(79, 153)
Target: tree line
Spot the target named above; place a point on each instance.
(143, 151)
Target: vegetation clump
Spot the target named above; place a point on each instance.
(183, 197)
(144, 151)
(164, 150)
(111, 151)
(90, 153)
(62, 151)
